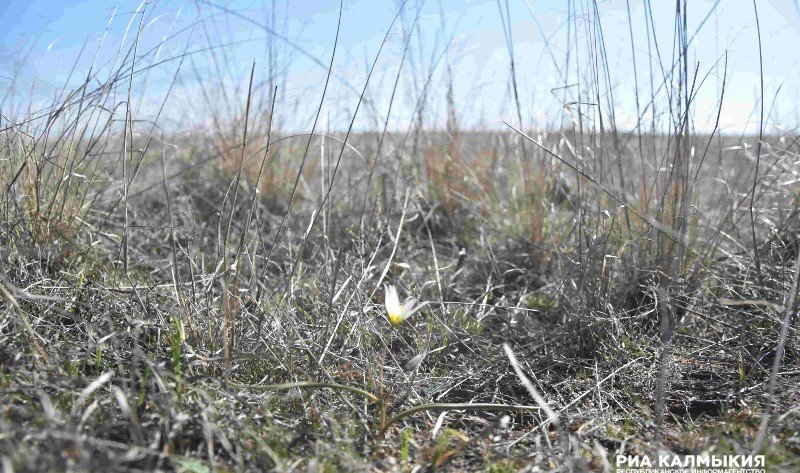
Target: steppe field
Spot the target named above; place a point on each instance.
(305, 236)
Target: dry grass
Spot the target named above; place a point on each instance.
(172, 301)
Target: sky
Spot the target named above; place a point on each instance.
(49, 46)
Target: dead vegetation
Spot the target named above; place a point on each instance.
(214, 300)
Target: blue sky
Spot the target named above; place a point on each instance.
(41, 40)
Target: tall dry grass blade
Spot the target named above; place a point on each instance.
(231, 304)
(552, 417)
(751, 208)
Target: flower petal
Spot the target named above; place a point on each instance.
(408, 306)
(391, 300)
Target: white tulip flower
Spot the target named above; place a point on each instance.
(396, 311)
